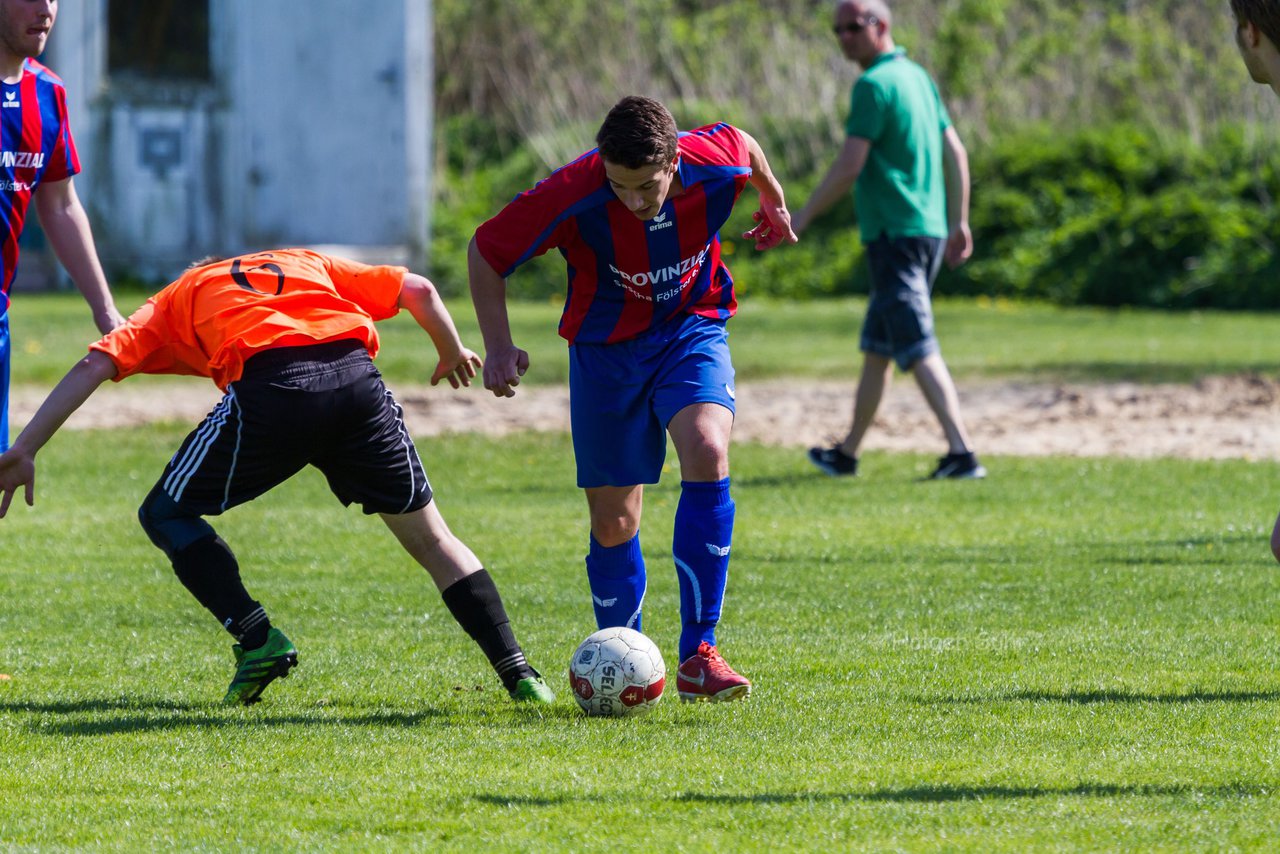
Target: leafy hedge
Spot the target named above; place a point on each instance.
(1089, 209)
(1109, 216)
(1117, 216)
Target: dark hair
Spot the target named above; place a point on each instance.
(1263, 14)
(638, 132)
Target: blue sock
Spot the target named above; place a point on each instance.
(617, 579)
(703, 529)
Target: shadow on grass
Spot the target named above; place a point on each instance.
(530, 800)
(940, 793)
(1091, 697)
(1129, 559)
(1191, 542)
(100, 704)
(116, 715)
(943, 793)
(112, 716)
(1185, 562)
(797, 479)
(1191, 551)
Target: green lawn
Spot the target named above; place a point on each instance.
(1070, 655)
(811, 339)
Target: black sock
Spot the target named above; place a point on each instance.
(476, 605)
(209, 570)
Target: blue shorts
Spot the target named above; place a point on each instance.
(899, 321)
(622, 396)
(4, 382)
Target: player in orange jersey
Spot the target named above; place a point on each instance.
(289, 337)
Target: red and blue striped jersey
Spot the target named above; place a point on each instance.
(35, 146)
(628, 275)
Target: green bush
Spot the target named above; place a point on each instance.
(1135, 189)
(1116, 217)
(1105, 216)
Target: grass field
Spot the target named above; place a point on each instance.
(815, 340)
(1071, 655)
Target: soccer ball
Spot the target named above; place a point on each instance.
(616, 672)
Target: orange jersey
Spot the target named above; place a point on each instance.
(213, 318)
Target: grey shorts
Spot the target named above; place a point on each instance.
(899, 321)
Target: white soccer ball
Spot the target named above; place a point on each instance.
(616, 672)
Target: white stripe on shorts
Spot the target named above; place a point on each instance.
(235, 456)
(185, 467)
(410, 452)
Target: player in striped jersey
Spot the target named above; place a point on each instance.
(1258, 38)
(37, 159)
(289, 336)
(637, 220)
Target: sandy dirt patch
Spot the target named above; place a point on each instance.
(1216, 418)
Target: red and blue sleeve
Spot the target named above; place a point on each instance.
(542, 218)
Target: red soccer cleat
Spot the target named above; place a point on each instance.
(705, 675)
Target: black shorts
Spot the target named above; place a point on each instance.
(323, 405)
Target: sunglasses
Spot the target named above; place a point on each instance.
(854, 28)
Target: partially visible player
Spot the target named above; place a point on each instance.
(35, 131)
(637, 222)
(288, 335)
(1257, 36)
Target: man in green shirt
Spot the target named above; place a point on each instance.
(910, 173)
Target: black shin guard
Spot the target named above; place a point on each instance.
(476, 605)
(209, 570)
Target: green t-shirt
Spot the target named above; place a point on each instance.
(901, 191)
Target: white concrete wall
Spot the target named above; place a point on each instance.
(315, 130)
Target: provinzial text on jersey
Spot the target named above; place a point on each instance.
(22, 159)
(686, 269)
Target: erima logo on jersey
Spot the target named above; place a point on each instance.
(604, 603)
(660, 222)
(11, 98)
(729, 390)
(22, 159)
(718, 551)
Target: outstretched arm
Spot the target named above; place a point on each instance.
(504, 362)
(18, 464)
(421, 299)
(65, 222)
(836, 183)
(773, 220)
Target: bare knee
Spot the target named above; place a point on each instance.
(615, 513)
(428, 540)
(418, 530)
(612, 531)
(701, 435)
(705, 458)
